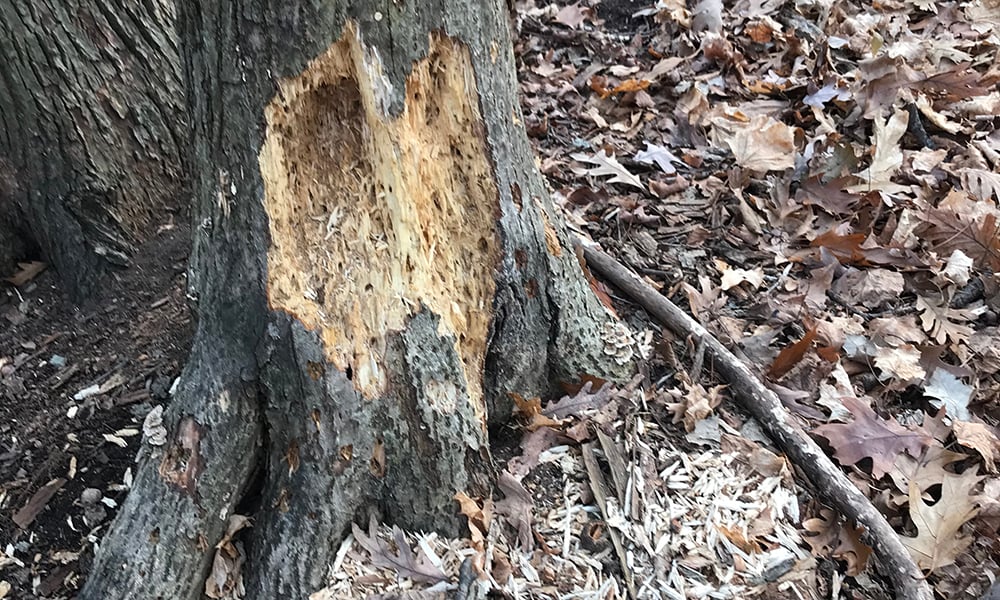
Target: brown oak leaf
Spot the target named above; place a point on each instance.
(977, 236)
(402, 559)
(828, 535)
(939, 540)
(870, 436)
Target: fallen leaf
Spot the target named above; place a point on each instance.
(696, 404)
(29, 511)
(901, 363)
(705, 302)
(977, 236)
(826, 93)
(831, 537)
(707, 16)
(655, 154)
(830, 195)
(938, 320)
(226, 579)
(958, 268)
(573, 15)
(516, 506)
(608, 165)
(763, 145)
(26, 272)
(926, 471)
(981, 438)
(478, 517)
(733, 277)
(887, 156)
(630, 86)
(869, 287)
(532, 445)
(846, 247)
(950, 393)
(939, 540)
(403, 561)
(791, 355)
(870, 436)
(982, 184)
(585, 399)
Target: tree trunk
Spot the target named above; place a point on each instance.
(92, 124)
(378, 268)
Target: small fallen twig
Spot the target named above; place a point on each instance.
(895, 561)
(601, 496)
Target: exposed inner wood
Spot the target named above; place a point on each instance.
(373, 216)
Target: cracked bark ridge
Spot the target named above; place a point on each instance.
(377, 267)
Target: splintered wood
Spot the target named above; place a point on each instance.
(374, 216)
(635, 517)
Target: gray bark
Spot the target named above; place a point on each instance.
(91, 130)
(377, 267)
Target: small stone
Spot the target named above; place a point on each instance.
(91, 496)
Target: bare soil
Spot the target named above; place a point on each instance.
(132, 340)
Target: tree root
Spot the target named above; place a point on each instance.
(893, 558)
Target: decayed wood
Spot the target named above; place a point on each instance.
(765, 406)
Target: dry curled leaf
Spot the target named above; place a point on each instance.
(478, 517)
(531, 409)
(402, 560)
(516, 507)
(608, 165)
(980, 437)
(226, 577)
(791, 355)
(829, 536)
(26, 272)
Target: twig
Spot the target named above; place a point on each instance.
(895, 561)
(601, 495)
(899, 311)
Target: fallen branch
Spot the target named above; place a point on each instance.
(894, 559)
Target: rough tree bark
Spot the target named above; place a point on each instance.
(377, 267)
(92, 124)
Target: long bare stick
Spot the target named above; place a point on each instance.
(895, 561)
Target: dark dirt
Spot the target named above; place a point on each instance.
(132, 339)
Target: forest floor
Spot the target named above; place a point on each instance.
(816, 182)
(76, 383)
